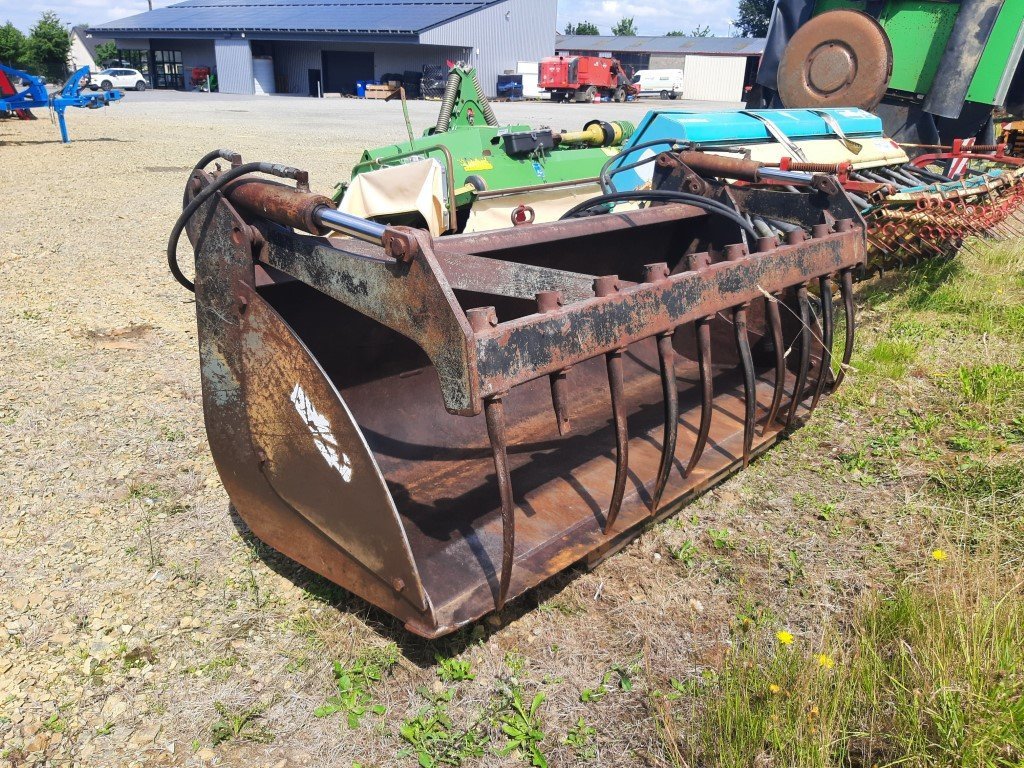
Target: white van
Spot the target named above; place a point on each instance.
(664, 83)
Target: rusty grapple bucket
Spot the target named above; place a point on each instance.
(440, 424)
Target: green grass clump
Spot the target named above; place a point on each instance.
(930, 675)
(355, 682)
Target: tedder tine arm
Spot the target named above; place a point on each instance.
(846, 289)
(670, 391)
(805, 352)
(827, 331)
(494, 414)
(606, 286)
(739, 321)
(550, 301)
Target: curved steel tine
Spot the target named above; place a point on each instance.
(494, 413)
(805, 352)
(827, 332)
(739, 316)
(846, 289)
(670, 392)
(775, 325)
(480, 319)
(551, 301)
(605, 286)
(737, 252)
(702, 329)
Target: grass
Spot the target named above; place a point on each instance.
(240, 725)
(929, 670)
(931, 675)
(355, 682)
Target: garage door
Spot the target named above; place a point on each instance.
(343, 68)
(714, 78)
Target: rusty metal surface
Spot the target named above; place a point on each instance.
(840, 58)
(440, 443)
(278, 202)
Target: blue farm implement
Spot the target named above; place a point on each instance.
(34, 95)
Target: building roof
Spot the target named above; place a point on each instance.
(709, 46)
(320, 16)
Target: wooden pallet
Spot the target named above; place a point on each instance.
(379, 91)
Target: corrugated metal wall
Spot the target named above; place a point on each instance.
(292, 61)
(714, 78)
(501, 36)
(234, 66)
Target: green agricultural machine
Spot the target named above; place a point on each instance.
(933, 70)
(484, 174)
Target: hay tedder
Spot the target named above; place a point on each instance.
(440, 423)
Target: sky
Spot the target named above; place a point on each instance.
(651, 17)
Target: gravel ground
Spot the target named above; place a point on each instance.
(131, 605)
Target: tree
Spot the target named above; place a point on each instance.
(105, 53)
(700, 31)
(753, 17)
(624, 28)
(675, 33)
(583, 28)
(12, 45)
(49, 45)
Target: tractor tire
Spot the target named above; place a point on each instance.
(106, 85)
(673, 95)
(140, 86)
(586, 95)
(663, 95)
(619, 96)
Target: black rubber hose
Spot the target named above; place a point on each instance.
(271, 169)
(217, 154)
(925, 173)
(665, 196)
(605, 178)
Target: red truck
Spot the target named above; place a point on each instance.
(581, 78)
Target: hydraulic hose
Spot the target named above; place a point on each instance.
(271, 169)
(665, 196)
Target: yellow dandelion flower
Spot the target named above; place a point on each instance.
(938, 555)
(826, 661)
(813, 713)
(786, 638)
(774, 688)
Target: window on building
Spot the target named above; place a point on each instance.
(133, 58)
(167, 70)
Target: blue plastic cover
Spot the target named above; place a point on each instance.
(734, 128)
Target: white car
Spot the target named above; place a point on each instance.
(117, 77)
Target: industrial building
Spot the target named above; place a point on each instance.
(311, 47)
(714, 68)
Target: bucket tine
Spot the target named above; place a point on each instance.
(667, 359)
(805, 351)
(606, 286)
(702, 331)
(775, 325)
(846, 289)
(550, 301)
(827, 331)
(736, 252)
(494, 413)
(794, 237)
